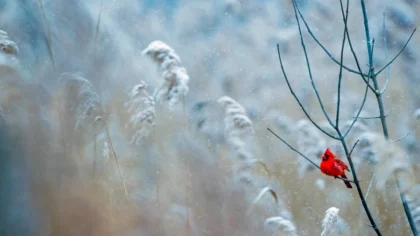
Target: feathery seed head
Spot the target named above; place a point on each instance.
(174, 85)
(280, 226)
(332, 223)
(79, 99)
(141, 108)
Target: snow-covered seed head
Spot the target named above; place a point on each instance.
(278, 225)
(238, 127)
(141, 109)
(6, 45)
(80, 99)
(174, 85)
(236, 120)
(159, 52)
(332, 224)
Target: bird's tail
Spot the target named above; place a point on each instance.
(347, 183)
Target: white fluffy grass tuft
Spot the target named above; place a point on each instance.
(79, 98)
(278, 225)
(6, 45)
(174, 85)
(333, 224)
(141, 108)
(238, 127)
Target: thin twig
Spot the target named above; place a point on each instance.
(386, 55)
(360, 109)
(398, 54)
(323, 47)
(293, 149)
(302, 155)
(354, 146)
(372, 117)
(398, 139)
(340, 74)
(356, 59)
(297, 99)
(309, 69)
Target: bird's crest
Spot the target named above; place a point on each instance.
(328, 152)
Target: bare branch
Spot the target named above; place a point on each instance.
(356, 59)
(402, 49)
(297, 99)
(340, 74)
(383, 120)
(358, 66)
(309, 68)
(322, 46)
(360, 109)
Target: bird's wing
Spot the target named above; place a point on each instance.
(342, 164)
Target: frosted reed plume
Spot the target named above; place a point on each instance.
(311, 144)
(333, 224)
(174, 85)
(238, 127)
(6, 45)
(278, 225)
(8, 52)
(78, 99)
(141, 108)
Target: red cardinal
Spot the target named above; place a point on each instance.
(332, 166)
